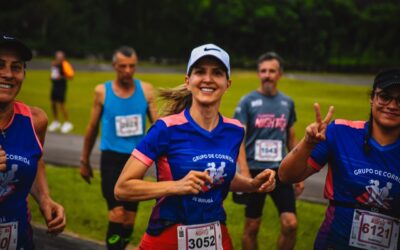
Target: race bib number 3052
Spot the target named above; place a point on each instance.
(374, 231)
(201, 236)
(8, 235)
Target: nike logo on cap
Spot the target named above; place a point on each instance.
(8, 37)
(208, 49)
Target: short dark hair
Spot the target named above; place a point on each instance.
(271, 56)
(124, 50)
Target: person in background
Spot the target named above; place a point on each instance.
(22, 169)
(195, 150)
(61, 72)
(363, 180)
(268, 117)
(121, 106)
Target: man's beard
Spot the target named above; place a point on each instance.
(268, 85)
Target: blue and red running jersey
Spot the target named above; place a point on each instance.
(23, 150)
(178, 145)
(355, 179)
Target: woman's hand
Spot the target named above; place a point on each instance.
(54, 215)
(316, 131)
(86, 171)
(264, 181)
(192, 183)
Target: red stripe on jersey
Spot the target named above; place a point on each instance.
(232, 121)
(141, 157)
(328, 192)
(313, 164)
(177, 119)
(352, 124)
(164, 170)
(23, 109)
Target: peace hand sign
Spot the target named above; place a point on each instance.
(315, 132)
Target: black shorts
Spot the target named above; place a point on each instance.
(59, 88)
(283, 197)
(111, 165)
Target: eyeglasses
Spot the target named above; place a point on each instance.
(384, 99)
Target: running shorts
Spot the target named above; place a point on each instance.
(283, 197)
(111, 165)
(59, 88)
(168, 239)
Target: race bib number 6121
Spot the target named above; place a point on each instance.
(374, 231)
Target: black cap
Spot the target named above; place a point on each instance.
(387, 78)
(7, 41)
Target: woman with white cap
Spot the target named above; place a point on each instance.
(363, 180)
(195, 150)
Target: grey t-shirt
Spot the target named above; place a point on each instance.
(267, 120)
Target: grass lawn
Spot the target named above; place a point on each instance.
(351, 102)
(84, 205)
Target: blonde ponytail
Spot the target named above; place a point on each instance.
(174, 100)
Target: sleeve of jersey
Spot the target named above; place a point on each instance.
(241, 112)
(293, 116)
(320, 155)
(153, 145)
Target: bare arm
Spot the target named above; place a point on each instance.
(92, 131)
(291, 144)
(52, 212)
(263, 182)
(131, 186)
(242, 159)
(152, 107)
(294, 167)
(291, 140)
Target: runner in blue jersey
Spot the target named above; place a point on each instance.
(121, 106)
(22, 133)
(195, 151)
(363, 180)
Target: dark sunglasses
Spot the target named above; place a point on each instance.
(384, 98)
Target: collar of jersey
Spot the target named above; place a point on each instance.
(377, 145)
(200, 129)
(386, 147)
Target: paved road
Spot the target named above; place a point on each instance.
(64, 241)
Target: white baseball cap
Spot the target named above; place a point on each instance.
(209, 50)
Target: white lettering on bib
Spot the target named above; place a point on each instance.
(206, 236)
(374, 231)
(8, 235)
(268, 150)
(128, 125)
